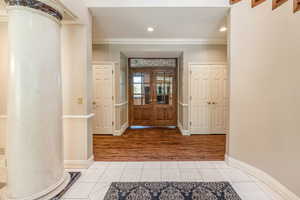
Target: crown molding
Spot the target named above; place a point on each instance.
(146, 41)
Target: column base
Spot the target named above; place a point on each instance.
(51, 191)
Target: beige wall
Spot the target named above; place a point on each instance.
(3, 81)
(216, 54)
(77, 86)
(74, 69)
(265, 97)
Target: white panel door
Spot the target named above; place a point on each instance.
(103, 99)
(219, 98)
(209, 99)
(200, 97)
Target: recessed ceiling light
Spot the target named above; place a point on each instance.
(150, 29)
(223, 29)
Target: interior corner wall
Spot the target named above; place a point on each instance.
(3, 81)
(265, 97)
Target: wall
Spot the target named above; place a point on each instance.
(3, 81)
(265, 98)
(121, 96)
(77, 93)
(216, 54)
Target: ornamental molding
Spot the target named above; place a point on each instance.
(45, 6)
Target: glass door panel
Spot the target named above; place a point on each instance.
(141, 88)
(164, 88)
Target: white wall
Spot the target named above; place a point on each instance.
(3, 81)
(265, 97)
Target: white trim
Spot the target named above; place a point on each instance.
(78, 116)
(121, 104)
(147, 41)
(268, 180)
(209, 63)
(183, 104)
(157, 3)
(122, 130)
(65, 116)
(95, 63)
(49, 192)
(183, 131)
(79, 164)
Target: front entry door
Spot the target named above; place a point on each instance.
(153, 96)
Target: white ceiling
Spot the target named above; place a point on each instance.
(169, 23)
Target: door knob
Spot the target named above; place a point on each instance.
(214, 103)
(209, 102)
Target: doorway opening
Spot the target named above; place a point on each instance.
(152, 92)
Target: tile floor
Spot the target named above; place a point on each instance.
(96, 180)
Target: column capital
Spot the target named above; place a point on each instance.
(49, 7)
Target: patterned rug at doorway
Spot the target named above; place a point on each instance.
(171, 191)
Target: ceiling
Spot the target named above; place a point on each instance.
(168, 22)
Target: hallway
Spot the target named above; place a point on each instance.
(158, 144)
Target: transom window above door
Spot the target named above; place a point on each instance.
(153, 62)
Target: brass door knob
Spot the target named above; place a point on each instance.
(209, 102)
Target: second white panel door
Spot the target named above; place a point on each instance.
(209, 99)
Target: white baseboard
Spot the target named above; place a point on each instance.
(183, 131)
(122, 130)
(79, 164)
(265, 178)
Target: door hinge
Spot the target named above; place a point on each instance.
(113, 123)
(191, 98)
(190, 123)
(112, 71)
(112, 98)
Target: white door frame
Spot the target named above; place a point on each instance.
(190, 64)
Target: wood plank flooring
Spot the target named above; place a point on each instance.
(158, 144)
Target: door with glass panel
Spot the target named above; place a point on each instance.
(164, 97)
(153, 97)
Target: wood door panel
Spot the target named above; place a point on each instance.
(159, 106)
(142, 114)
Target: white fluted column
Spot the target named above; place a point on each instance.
(35, 139)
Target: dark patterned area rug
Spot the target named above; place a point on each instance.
(171, 191)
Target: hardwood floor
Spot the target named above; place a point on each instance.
(158, 144)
